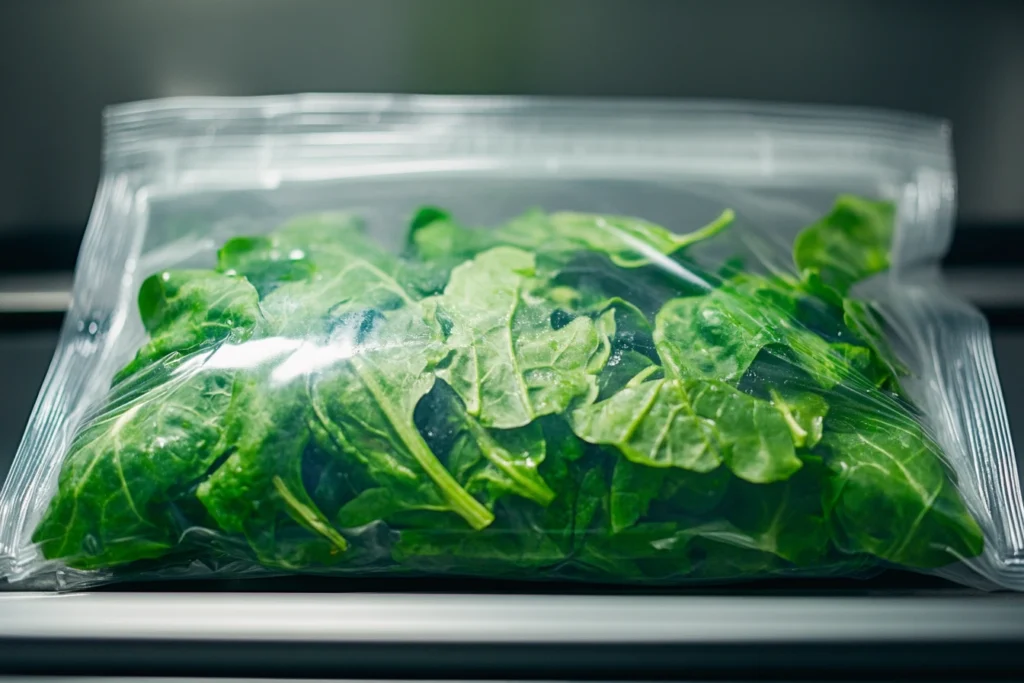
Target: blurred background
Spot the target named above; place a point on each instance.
(63, 61)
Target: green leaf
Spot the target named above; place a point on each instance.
(332, 249)
(264, 263)
(508, 365)
(718, 336)
(435, 236)
(293, 252)
(633, 488)
(358, 277)
(888, 493)
(127, 469)
(488, 463)
(849, 244)
(860, 360)
(642, 553)
(657, 494)
(861, 318)
(804, 413)
(377, 504)
(692, 494)
(757, 442)
(625, 368)
(785, 519)
(628, 242)
(524, 533)
(654, 424)
(259, 490)
(812, 282)
(556, 238)
(628, 330)
(693, 425)
(184, 310)
(364, 401)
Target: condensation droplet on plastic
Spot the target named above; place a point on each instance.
(91, 325)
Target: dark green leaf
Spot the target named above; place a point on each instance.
(862, 319)
(785, 519)
(365, 401)
(524, 534)
(625, 368)
(888, 493)
(293, 252)
(488, 463)
(633, 488)
(435, 236)
(184, 310)
(849, 244)
(259, 490)
(718, 336)
(125, 470)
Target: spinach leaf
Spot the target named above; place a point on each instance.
(508, 365)
(258, 491)
(365, 401)
(694, 425)
(648, 552)
(849, 244)
(331, 248)
(785, 519)
(655, 494)
(486, 462)
(186, 309)
(556, 238)
(625, 325)
(357, 280)
(434, 236)
(691, 495)
(126, 470)
(293, 252)
(628, 242)
(718, 336)
(632, 490)
(888, 493)
(524, 534)
(861, 318)
(625, 368)
(804, 413)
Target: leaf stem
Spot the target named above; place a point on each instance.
(465, 505)
(538, 491)
(710, 230)
(307, 516)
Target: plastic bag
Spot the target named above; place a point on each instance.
(619, 342)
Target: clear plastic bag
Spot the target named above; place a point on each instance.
(531, 339)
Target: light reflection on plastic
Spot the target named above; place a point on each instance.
(310, 358)
(655, 257)
(252, 354)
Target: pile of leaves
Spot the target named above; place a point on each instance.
(565, 395)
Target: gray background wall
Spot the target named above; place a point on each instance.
(62, 61)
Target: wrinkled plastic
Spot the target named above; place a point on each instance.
(638, 343)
